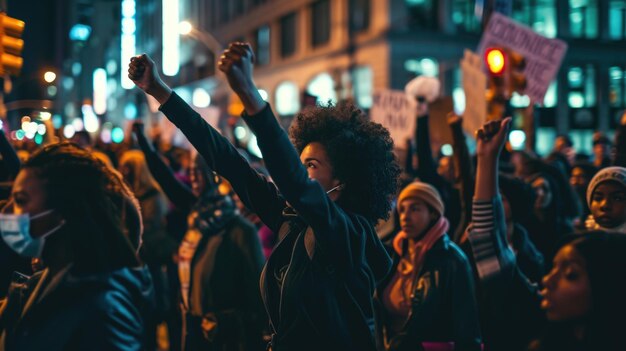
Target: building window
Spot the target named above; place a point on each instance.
(359, 15)
(463, 16)
(422, 13)
(425, 66)
(263, 49)
(617, 19)
(540, 15)
(323, 86)
(551, 97)
(617, 87)
(320, 22)
(288, 35)
(583, 18)
(287, 99)
(582, 86)
(363, 86)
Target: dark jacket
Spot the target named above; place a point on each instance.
(224, 270)
(327, 262)
(443, 304)
(78, 312)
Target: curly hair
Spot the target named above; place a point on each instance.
(99, 210)
(361, 154)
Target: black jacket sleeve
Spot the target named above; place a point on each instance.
(178, 193)
(620, 146)
(341, 236)
(257, 193)
(464, 172)
(427, 168)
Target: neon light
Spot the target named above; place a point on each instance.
(129, 27)
(171, 39)
(99, 91)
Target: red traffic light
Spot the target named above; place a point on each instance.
(495, 60)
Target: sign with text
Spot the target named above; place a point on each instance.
(543, 55)
(394, 110)
(474, 85)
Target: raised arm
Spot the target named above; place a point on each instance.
(464, 172)
(331, 226)
(256, 192)
(178, 193)
(620, 144)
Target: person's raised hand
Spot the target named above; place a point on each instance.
(237, 63)
(491, 137)
(138, 128)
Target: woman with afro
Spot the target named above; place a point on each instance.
(328, 191)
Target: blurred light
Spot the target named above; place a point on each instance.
(49, 76)
(519, 101)
(413, 65)
(117, 135)
(201, 98)
(31, 128)
(184, 28)
(44, 116)
(70, 109)
(57, 121)
(76, 68)
(99, 91)
(41, 129)
(517, 138)
(68, 83)
(323, 86)
(20, 134)
(429, 67)
(287, 98)
(78, 125)
(1, 125)
(90, 119)
(171, 38)
(111, 67)
(253, 147)
(25, 119)
(458, 96)
(240, 132)
(495, 61)
(263, 94)
(69, 131)
(38, 139)
(80, 32)
(52, 90)
(447, 150)
(105, 135)
(130, 111)
(576, 99)
(112, 104)
(128, 40)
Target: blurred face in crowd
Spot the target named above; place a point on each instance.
(415, 217)
(198, 180)
(578, 179)
(608, 204)
(317, 163)
(601, 151)
(560, 144)
(543, 193)
(446, 168)
(567, 291)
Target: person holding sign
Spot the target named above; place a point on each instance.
(328, 191)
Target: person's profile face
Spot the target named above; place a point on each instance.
(567, 290)
(315, 159)
(415, 217)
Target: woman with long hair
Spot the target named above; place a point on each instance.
(76, 214)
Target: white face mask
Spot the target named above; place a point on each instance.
(338, 187)
(15, 231)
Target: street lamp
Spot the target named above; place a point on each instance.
(185, 28)
(49, 77)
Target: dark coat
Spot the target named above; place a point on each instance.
(318, 283)
(78, 312)
(443, 303)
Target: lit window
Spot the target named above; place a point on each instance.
(287, 99)
(363, 86)
(425, 66)
(263, 45)
(551, 98)
(617, 17)
(323, 86)
(584, 18)
(617, 87)
(540, 15)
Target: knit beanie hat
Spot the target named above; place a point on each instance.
(424, 192)
(617, 174)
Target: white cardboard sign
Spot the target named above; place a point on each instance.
(474, 85)
(396, 112)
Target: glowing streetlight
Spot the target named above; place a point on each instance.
(49, 76)
(184, 28)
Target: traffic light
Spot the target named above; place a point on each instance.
(516, 79)
(496, 95)
(495, 59)
(11, 45)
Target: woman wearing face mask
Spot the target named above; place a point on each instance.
(430, 294)
(581, 305)
(334, 184)
(606, 197)
(219, 260)
(69, 209)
